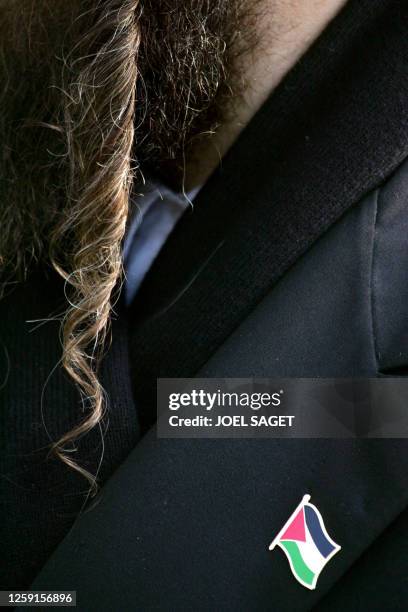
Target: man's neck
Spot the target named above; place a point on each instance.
(285, 29)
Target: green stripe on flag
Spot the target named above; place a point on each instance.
(299, 565)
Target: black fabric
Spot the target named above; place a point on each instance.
(390, 276)
(335, 127)
(341, 310)
(186, 524)
(317, 320)
(39, 496)
(378, 581)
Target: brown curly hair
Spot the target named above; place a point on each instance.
(71, 73)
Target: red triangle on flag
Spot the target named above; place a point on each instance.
(296, 530)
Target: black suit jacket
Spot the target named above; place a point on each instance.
(289, 266)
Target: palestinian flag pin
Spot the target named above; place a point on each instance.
(306, 543)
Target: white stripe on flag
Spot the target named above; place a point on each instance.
(311, 554)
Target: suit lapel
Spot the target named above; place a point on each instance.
(332, 131)
(186, 524)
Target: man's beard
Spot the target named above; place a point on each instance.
(189, 75)
(188, 66)
(187, 79)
